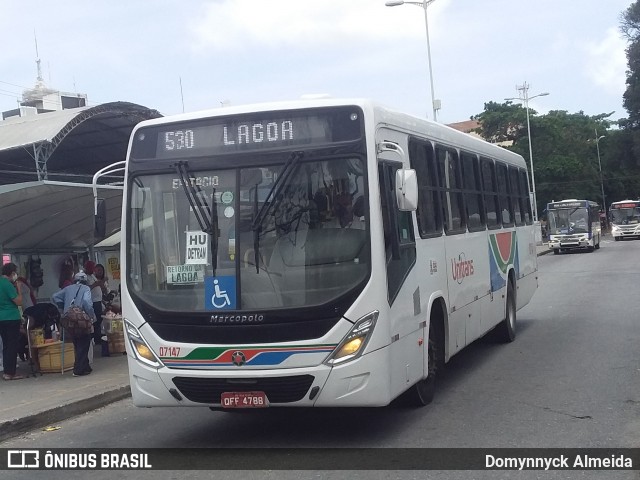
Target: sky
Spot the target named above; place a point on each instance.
(189, 55)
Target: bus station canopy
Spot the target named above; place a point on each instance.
(47, 162)
(53, 216)
(67, 145)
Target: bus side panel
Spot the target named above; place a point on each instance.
(432, 282)
(527, 273)
(468, 279)
(502, 253)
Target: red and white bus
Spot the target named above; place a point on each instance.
(625, 219)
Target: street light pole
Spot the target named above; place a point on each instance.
(598, 138)
(424, 4)
(524, 88)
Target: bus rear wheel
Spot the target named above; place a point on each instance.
(505, 331)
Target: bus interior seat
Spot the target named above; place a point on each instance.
(308, 268)
(264, 293)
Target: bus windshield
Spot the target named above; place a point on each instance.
(296, 242)
(626, 215)
(568, 220)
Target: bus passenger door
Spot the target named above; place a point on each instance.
(407, 332)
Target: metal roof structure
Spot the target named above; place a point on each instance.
(46, 216)
(47, 162)
(67, 145)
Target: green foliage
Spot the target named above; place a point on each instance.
(631, 96)
(565, 154)
(501, 122)
(630, 22)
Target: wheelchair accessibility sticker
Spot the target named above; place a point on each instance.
(220, 293)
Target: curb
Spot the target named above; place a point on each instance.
(63, 412)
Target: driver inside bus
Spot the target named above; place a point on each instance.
(343, 209)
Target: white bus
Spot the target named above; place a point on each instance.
(624, 217)
(573, 224)
(315, 253)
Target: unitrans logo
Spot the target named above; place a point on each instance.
(23, 459)
(461, 268)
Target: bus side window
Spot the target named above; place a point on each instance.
(526, 198)
(449, 176)
(503, 195)
(516, 197)
(429, 212)
(399, 239)
(490, 190)
(472, 192)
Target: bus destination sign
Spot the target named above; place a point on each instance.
(566, 205)
(261, 131)
(625, 205)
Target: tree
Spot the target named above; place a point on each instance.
(630, 27)
(501, 122)
(565, 152)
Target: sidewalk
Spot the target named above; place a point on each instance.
(43, 400)
(36, 402)
(543, 249)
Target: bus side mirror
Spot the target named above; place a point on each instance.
(100, 218)
(406, 190)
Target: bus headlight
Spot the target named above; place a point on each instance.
(614, 228)
(355, 341)
(140, 347)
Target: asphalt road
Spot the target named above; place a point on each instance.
(571, 379)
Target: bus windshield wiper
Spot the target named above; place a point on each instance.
(207, 220)
(274, 192)
(196, 198)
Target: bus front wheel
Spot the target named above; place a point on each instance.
(422, 393)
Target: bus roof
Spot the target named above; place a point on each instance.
(625, 201)
(374, 112)
(571, 202)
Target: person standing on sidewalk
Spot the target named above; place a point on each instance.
(10, 300)
(98, 284)
(78, 294)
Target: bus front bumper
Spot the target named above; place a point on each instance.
(618, 232)
(567, 243)
(361, 382)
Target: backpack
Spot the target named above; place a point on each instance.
(75, 321)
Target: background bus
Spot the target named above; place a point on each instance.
(625, 219)
(315, 253)
(574, 224)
